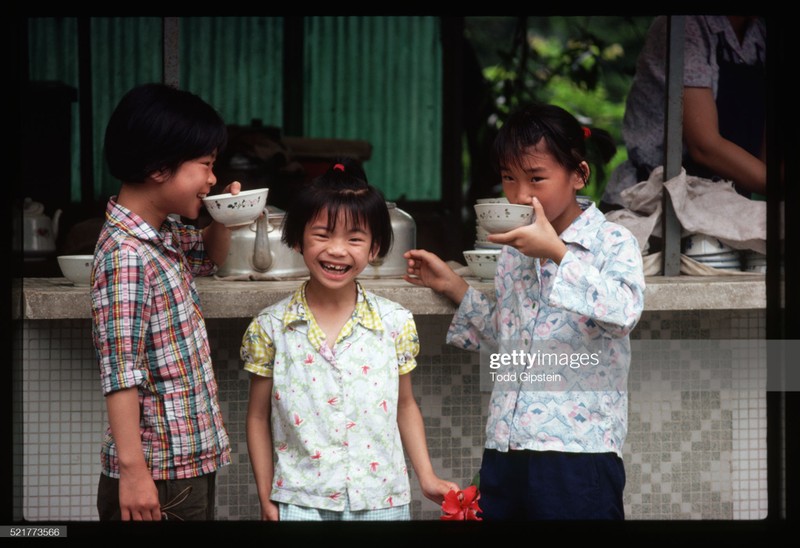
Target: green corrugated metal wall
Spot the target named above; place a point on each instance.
(371, 78)
(125, 52)
(379, 79)
(244, 54)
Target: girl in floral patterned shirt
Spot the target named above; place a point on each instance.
(571, 281)
(331, 404)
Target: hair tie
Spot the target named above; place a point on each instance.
(586, 132)
(340, 167)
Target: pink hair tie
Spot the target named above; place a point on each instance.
(586, 132)
(340, 167)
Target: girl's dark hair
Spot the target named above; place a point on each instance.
(564, 136)
(343, 188)
(156, 127)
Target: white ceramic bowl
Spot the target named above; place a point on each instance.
(755, 259)
(702, 244)
(76, 268)
(237, 210)
(486, 244)
(482, 262)
(481, 233)
(724, 256)
(727, 265)
(491, 201)
(499, 218)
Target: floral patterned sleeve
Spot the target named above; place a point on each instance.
(613, 295)
(407, 345)
(258, 350)
(473, 322)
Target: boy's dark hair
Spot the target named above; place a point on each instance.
(341, 189)
(564, 136)
(156, 127)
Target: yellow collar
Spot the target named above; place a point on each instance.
(298, 310)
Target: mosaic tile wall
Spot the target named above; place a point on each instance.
(690, 454)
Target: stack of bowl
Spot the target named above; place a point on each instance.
(754, 261)
(481, 240)
(493, 216)
(709, 251)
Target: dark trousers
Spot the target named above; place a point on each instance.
(189, 499)
(534, 485)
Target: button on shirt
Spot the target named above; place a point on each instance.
(149, 333)
(334, 411)
(592, 300)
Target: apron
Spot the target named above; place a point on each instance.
(741, 104)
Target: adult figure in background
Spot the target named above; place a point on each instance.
(724, 106)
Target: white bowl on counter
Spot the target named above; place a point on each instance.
(482, 262)
(77, 268)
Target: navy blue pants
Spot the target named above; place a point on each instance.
(532, 485)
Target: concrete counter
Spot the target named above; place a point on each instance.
(704, 448)
(57, 298)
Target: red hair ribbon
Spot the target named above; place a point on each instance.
(586, 132)
(340, 167)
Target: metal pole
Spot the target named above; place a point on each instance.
(85, 110)
(293, 84)
(673, 142)
(170, 51)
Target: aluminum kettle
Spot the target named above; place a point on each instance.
(257, 250)
(404, 238)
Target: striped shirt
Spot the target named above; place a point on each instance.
(149, 333)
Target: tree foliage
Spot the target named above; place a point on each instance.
(581, 63)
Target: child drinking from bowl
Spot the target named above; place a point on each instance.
(166, 438)
(570, 277)
(331, 403)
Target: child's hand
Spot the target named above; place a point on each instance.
(428, 270)
(538, 239)
(269, 511)
(233, 187)
(435, 488)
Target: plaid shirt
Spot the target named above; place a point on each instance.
(334, 411)
(149, 333)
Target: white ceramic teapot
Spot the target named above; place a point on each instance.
(38, 230)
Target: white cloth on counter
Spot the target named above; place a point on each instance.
(702, 206)
(652, 267)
